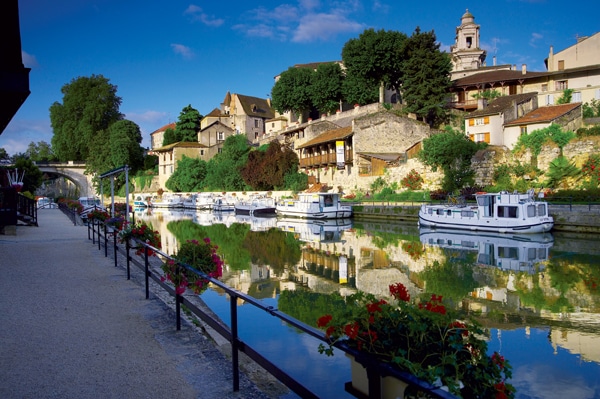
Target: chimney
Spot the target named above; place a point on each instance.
(494, 60)
(524, 69)
(481, 103)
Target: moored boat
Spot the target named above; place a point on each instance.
(501, 212)
(315, 206)
(256, 206)
(167, 201)
(141, 201)
(199, 201)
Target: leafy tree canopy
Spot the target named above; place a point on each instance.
(169, 137)
(4, 154)
(223, 170)
(188, 124)
(33, 177)
(326, 87)
(266, 170)
(189, 175)
(90, 105)
(426, 78)
(451, 151)
(375, 57)
(292, 91)
(40, 152)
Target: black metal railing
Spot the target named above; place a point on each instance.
(27, 209)
(106, 236)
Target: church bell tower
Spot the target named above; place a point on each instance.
(466, 52)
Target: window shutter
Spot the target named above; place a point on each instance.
(471, 122)
(486, 120)
(486, 137)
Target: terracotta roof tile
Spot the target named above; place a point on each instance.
(544, 114)
(501, 104)
(164, 128)
(502, 75)
(328, 136)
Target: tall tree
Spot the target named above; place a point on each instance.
(326, 87)
(40, 152)
(426, 78)
(33, 176)
(292, 91)
(188, 124)
(90, 104)
(223, 170)
(189, 175)
(169, 137)
(450, 151)
(266, 169)
(373, 59)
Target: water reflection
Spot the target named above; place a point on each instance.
(538, 294)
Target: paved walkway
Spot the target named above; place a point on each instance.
(73, 326)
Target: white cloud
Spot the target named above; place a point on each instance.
(182, 50)
(196, 14)
(535, 37)
(147, 117)
(302, 23)
(20, 132)
(324, 27)
(29, 60)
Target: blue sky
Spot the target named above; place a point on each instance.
(163, 56)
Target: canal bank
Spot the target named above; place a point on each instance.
(568, 218)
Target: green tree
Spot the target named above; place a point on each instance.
(450, 151)
(326, 87)
(426, 78)
(292, 91)
(488, 94)
(189, 175)
(90, 105)
(371, 60)
(559, 170)
(591, 109)
(188, 124)
(3, 154)
(223, 170)
(169, 137)
(536, 139)
(566, 97)
(40, 152)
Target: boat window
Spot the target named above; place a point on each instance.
(531, 254)
(328, 200)
(542, 253)
(483, 200)
(467, 214)
(508, 212)
(449, 212)
(530, 211)
(430, 211)
(541, 211)
(508, 252)
(468, 244)
(440, 211)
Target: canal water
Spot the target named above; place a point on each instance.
(539, 295)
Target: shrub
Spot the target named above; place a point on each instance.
(412, 181)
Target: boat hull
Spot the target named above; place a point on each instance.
(315, 206)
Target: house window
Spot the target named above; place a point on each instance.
(220, 136)
(273, 124)
(256, 124)
(561, 65)
(479, 122)
(561, 85)
(576, 97)
(549, 99)
(220, 150)
(202, 152)
(481, 137)
(545, 87)
(523, 130)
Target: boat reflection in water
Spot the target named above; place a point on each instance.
(508, 252)
(315, 231)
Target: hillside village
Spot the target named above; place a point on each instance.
(357, 144)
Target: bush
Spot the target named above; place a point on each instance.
(591, 131)
(412, 181)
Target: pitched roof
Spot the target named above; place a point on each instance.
(214, 113)
(544, 114)
(164, 128)
(180, 144)
(495, 76)
(257, 107)
(502, 103)
(328, 136)
(217, 123)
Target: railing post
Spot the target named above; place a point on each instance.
(127, 248)
(234, 343)
(98, 224)
(88, 228)
(105, 241)
(178, 300)
(147, 272)
(93, 232)
(114, 233)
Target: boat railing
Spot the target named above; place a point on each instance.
(106, 236)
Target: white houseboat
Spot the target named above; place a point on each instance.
(315, 206)
(257, 205)
(496, 212)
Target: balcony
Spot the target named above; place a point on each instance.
(322, 160)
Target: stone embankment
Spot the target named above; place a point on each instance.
(575, 218)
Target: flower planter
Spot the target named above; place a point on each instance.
(391, 388)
